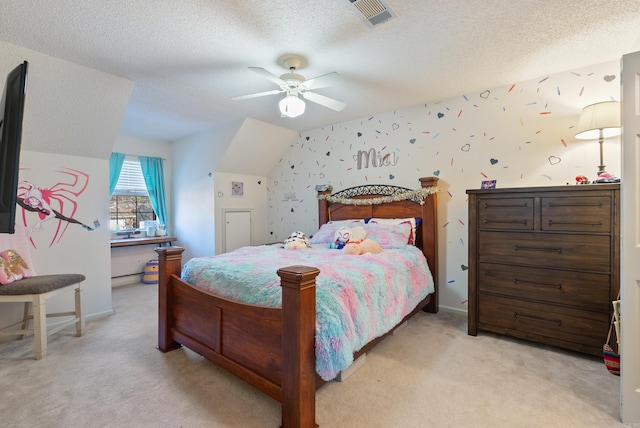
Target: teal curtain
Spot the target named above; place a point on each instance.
(154, 180)
(115, 166)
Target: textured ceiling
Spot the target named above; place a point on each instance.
(188, 58)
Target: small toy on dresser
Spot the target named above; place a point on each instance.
(297, 240)
(582, 179)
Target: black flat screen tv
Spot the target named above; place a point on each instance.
(11, 112)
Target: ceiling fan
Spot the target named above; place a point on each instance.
(294, 85)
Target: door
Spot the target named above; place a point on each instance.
(237, 229)
(630, 239)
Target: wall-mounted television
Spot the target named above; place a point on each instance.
(11, 113)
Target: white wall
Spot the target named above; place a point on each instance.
(204, 166)
(72, 115)
(194, 161)
(254, 198)
(520, 134)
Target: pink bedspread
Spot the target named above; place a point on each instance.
(358, 298)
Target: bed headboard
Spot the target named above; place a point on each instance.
(386, 202)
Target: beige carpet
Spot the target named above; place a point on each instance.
(431, 373)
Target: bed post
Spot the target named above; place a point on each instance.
(298, 346)
(323, 206)
(430, 237)
(170, 262)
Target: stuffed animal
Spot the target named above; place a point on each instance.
(12, 267)
(344, 235)
(354, 241)
(297, 240)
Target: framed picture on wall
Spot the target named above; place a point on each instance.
(237, 188)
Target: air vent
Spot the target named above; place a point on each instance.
(375, 12)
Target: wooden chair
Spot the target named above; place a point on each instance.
(34, 291)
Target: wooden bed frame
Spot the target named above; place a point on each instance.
(273, 348)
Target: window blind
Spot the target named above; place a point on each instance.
(131, 182)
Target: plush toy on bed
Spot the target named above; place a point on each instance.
(354, 241)
(296, 240)
(341, 237)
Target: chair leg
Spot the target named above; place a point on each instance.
(25, 319)
(40, 325)
(79, 314)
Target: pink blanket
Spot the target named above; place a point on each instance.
(358, 298)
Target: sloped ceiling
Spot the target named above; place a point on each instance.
(188, 58)
(69, 109)
(256, 148)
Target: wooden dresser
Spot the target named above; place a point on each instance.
(544, 263)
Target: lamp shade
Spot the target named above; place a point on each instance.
(291, 106)
(598, 117)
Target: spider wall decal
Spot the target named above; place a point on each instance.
(56, 204)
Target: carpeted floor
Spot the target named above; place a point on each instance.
(431, 373)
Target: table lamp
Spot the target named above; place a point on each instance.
(599, 121)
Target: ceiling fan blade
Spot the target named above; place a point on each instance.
(258, 94)
(329, 79)
(324, 101)
(268, 75)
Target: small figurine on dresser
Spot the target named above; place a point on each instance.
(605, 177)
(581, 179)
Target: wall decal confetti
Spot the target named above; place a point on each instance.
(609, 78)
(520, 130)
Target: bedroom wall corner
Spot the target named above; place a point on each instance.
(520, 134)
(249, 194)
(78, 188)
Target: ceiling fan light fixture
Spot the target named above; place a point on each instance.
(291, 106)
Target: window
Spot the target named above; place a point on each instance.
(130, 205)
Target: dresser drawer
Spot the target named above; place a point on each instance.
(583, 252)
(590, 214)
(578, 289)
(506, 213)
(505, 315)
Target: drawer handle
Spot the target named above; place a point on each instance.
(576, 204)
(579, 223)
(552, 250)
(523, 205)
(487, 221)
(517, 316)
(542, 284)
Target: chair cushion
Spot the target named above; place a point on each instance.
(40, 284)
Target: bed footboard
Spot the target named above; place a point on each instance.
(270, 348)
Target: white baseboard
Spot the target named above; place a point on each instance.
(454, 310)
(126, 280)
